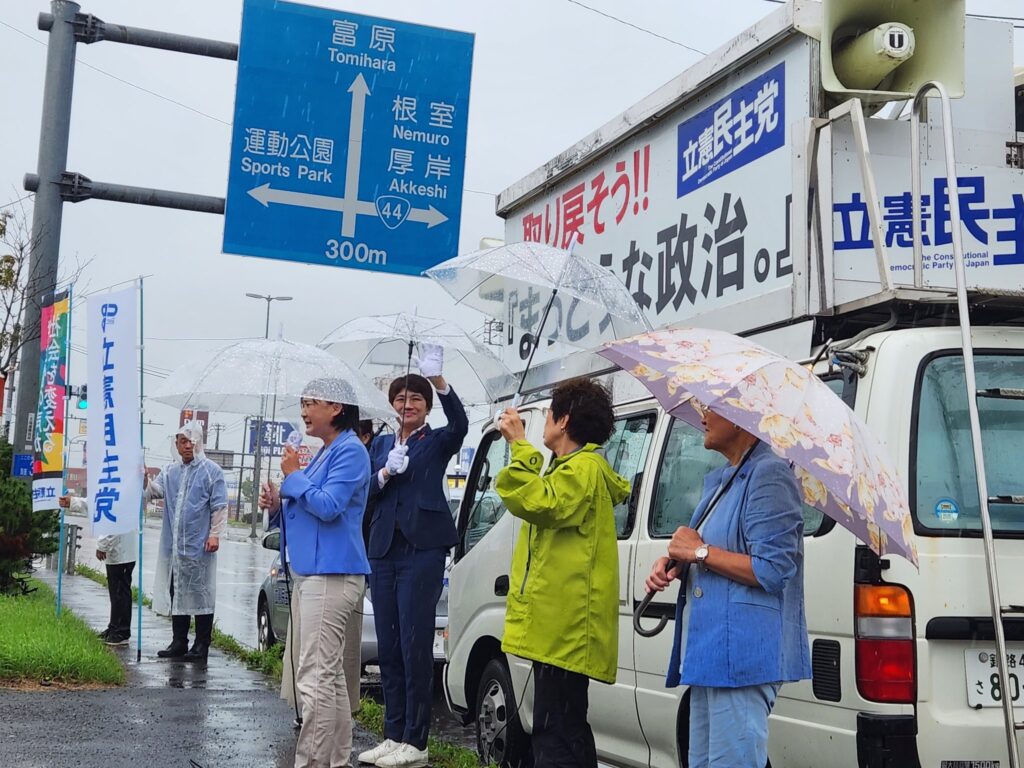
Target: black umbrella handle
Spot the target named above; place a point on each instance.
(640, 609)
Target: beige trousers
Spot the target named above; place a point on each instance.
(321, 607)
(353, 661)
(353, 656)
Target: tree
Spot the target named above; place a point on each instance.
(247, 494)
(18, 283)
(23, 533)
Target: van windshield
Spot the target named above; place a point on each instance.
(945, 485)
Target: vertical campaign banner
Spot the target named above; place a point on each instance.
(48, 435)
(115, 446)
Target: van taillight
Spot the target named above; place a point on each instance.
(886, 669)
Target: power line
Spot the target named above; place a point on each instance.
(15, 202)
(975, 15)
(121, 79)
(175, 101)
(638, 28)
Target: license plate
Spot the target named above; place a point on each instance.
(438, 643)
(983, 686)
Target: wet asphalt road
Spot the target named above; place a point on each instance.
(242, 565)
(221, 715)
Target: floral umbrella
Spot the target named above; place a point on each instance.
(842, 468)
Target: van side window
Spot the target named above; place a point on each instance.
(626, 451)
(681, 483)
(487, 507)
(944, 483)
(680, 478)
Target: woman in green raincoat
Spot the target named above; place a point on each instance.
(563, 602)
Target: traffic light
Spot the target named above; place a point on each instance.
(83, 397)
(885, 50)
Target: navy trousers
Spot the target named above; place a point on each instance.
(405, 586)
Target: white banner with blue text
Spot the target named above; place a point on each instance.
(114, 452)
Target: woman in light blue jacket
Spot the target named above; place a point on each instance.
(740, 631)
(320, 512)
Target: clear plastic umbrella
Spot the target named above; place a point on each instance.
(511, 281)
(387, 342)
(593, 305)
(242, 376)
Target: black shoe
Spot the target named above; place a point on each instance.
(102, 634)
(117, 638)
(198, 652)
(175, 650)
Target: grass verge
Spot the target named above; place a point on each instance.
(36, 645)
(270, 662)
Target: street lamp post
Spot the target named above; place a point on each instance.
(257, 464)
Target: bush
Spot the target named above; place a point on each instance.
(23, 534)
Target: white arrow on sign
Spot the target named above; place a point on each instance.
(349, 206)
(266, 194)
(359, 91)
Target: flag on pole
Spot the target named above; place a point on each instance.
(115, 448)
(48, 432)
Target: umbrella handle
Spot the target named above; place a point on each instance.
(639, 612)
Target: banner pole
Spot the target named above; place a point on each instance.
(65, 453)
(142, 442)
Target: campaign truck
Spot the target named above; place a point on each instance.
(769, 191)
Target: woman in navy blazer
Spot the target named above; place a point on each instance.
(410, 534)
(320, 512)
(740, 630)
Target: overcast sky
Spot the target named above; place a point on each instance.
(545, 73)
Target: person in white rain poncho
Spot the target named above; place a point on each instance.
(195, 517)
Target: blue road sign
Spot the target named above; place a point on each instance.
(275, 433)
(21, 465)
(349, 140)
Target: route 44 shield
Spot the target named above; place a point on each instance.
(349, 139)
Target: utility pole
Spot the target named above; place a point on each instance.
(260, 429)
(54, 185)
(47, 208)
(241, 470)
(216, 439)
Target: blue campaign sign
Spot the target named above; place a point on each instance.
(21, 466)
(747, 124)
(349, 140)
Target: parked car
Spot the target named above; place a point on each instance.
(272, 611)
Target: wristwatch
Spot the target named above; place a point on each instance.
(701, 554)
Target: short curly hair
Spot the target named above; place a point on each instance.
(589, 407)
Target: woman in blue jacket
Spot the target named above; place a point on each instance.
(740, 631)
(320, 512)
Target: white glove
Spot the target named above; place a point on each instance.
(430, 360)
(397, 460)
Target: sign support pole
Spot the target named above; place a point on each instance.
(142, 422)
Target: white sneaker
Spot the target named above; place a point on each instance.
(406, 756)
(386, 747)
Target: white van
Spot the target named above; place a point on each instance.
(902, 658)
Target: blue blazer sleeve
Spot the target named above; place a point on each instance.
(346, 475)
(379, 449)
(773, 524)
(455, 431)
